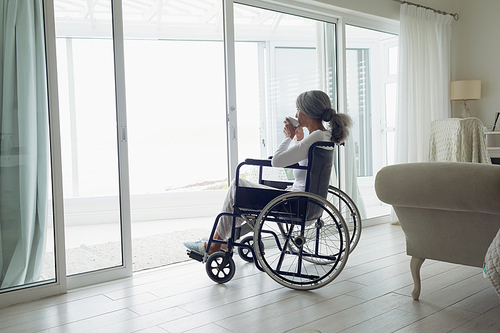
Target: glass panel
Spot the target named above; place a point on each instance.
(26, 220)
(393, 60)
(391, 137)
(88, 134)
(174, 65)
(296, 71)
(248, 55)
(371, 62)
(359, 108)
(278, 56)
(391, 103)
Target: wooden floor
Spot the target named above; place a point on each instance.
(372, 294)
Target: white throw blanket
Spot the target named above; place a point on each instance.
(492, 263)
(458, 140)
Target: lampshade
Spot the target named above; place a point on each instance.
(465, 90)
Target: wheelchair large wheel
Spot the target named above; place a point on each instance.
(301, 253)
(349, 212)
(220, 267)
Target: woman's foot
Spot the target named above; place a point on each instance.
(198, 246)
(201, 245)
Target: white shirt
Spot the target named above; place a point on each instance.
(287, 155)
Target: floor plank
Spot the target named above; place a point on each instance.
(442, 321)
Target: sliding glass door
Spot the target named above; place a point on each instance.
(277, 56)
(371, 74)
(174, 65)
(89, 135)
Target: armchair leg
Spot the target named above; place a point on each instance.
(415, 264)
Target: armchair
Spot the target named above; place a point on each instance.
(449, 211)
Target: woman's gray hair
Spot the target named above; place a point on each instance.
(316, 104)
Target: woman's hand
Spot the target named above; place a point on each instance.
(289, 130)
(299, 133)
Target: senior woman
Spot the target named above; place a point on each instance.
(314, 111)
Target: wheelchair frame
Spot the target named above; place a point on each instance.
(220, 266)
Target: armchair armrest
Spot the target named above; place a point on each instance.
(457, 186)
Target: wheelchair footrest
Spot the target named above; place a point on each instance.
(195, 255)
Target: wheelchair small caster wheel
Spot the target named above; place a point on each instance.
(220, 267)
(245, 253)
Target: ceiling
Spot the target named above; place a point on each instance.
(174, 18)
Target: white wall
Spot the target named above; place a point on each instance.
(382, 8)
(476, 54)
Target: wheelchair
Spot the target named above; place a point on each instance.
(302, 240)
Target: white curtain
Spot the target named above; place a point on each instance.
(424, 79)
(24, 148)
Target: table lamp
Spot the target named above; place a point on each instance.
(463, 91)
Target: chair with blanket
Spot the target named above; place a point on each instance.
(458, 140)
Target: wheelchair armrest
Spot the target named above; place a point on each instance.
(252, 161)
(267, 163)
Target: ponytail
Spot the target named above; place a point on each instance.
(340, 125)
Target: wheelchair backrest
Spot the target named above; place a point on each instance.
(320, 163)
(319, 167)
